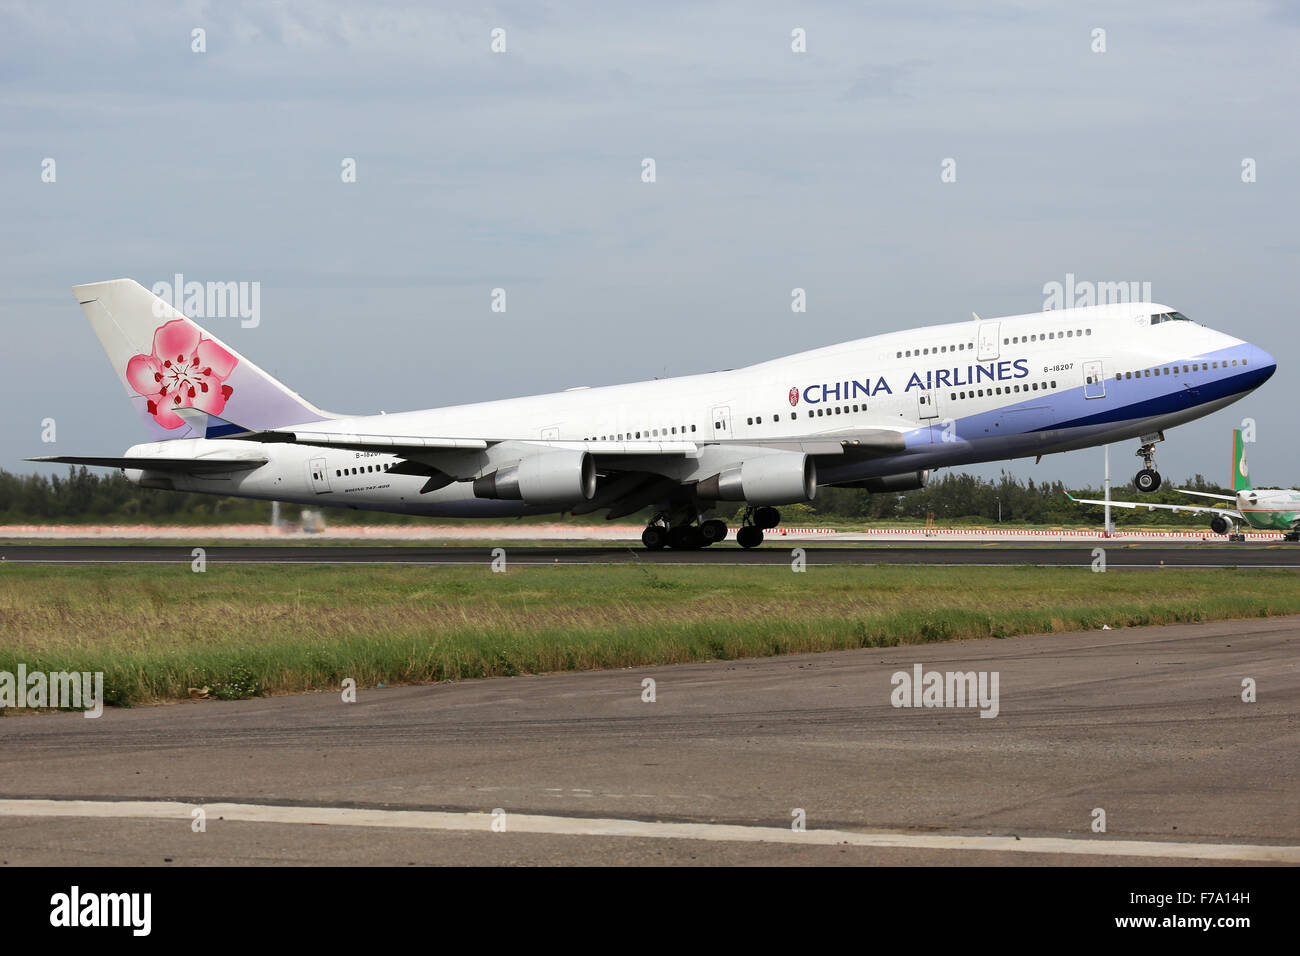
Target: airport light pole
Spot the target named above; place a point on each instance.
(1107, 531)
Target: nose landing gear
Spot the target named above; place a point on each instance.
(1148, 479)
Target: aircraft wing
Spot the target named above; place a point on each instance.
(875, 441)
(1190, 509)
(1205, 494)
(194, 466)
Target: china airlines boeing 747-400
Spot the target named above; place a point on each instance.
(877, 413)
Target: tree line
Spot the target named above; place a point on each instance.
(85, 497)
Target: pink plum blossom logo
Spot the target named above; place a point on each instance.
(184, 371)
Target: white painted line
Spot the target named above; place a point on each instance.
(775, 563)
(587, 827)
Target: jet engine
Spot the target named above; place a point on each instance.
(782, 478)
(559, 479)
(907, 481)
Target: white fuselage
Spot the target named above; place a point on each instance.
(961, 393)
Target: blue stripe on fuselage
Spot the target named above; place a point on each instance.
(1068, 408)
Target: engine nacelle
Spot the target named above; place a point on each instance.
(1220, 525)
(558, 479)
(783, 478)
(907, 481)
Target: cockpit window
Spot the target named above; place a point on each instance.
(1169, 317)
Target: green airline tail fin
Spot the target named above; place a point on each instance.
(1240, 473)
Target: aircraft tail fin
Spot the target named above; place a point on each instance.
(1240, 473)
(179, 376)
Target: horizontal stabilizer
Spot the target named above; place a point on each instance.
(193, 466)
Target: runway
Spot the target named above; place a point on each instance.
(1118, 555)
(1146, 725)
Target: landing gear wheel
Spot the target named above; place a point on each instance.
(766, 517)
(1291, 536)
(714, 531)
(1147, 480)
(654, 537)
(749, 536)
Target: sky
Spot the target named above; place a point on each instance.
(1112, 157)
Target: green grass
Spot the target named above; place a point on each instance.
(242, 631)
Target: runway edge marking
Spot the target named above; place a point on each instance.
(587, 827)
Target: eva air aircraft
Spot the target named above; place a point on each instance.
(1263, 509)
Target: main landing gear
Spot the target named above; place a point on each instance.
(683, 536)
(1148, 479)
(691, 535)
(754, 523)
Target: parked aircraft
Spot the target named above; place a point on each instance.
(1265, 509)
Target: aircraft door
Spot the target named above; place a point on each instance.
(988, 341)
(319, 477)
(1094, 380)
(721, 421)
(926, 408)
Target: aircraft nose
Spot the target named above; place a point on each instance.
(1262, 365)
